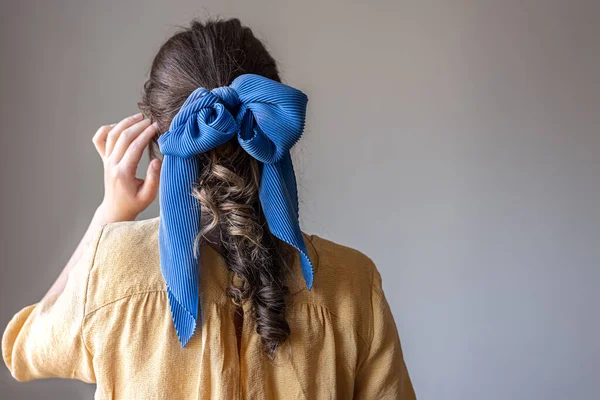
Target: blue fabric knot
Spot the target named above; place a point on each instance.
(268, 119)
(228, 97)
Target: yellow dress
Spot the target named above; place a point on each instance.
(112, 326)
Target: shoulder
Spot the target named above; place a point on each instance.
(126, 262)
(345, 282)
(344, 267)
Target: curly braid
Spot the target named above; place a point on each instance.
(228, 190)
(210, 55)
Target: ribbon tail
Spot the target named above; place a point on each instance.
(279, 200)
(179, 225)
(184, 321)
(289, 177)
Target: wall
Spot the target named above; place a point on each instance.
(455, 143)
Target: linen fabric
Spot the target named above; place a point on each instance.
(112, 326)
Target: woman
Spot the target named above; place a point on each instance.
(221, 296)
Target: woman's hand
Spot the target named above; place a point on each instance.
(121, 147)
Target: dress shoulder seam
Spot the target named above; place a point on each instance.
(87, 287)
(326, 308)
(125, 297)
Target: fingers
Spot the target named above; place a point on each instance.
(135, 150)
(116, 131)
(99, 138)
(125, 140)
(149, 188)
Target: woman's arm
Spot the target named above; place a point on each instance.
(121, 147)
(60, 283)
(45, 340)
(383, 373)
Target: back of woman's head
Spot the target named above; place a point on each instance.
(211, 55)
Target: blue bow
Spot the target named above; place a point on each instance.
(268, 119)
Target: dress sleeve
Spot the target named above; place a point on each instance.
(45, 340)
(383, 373)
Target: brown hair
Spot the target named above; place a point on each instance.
(210, 55)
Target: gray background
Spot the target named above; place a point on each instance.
(455, 142)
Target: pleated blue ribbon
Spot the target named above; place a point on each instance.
(268, 119)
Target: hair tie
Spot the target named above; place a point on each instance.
(268, 119)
